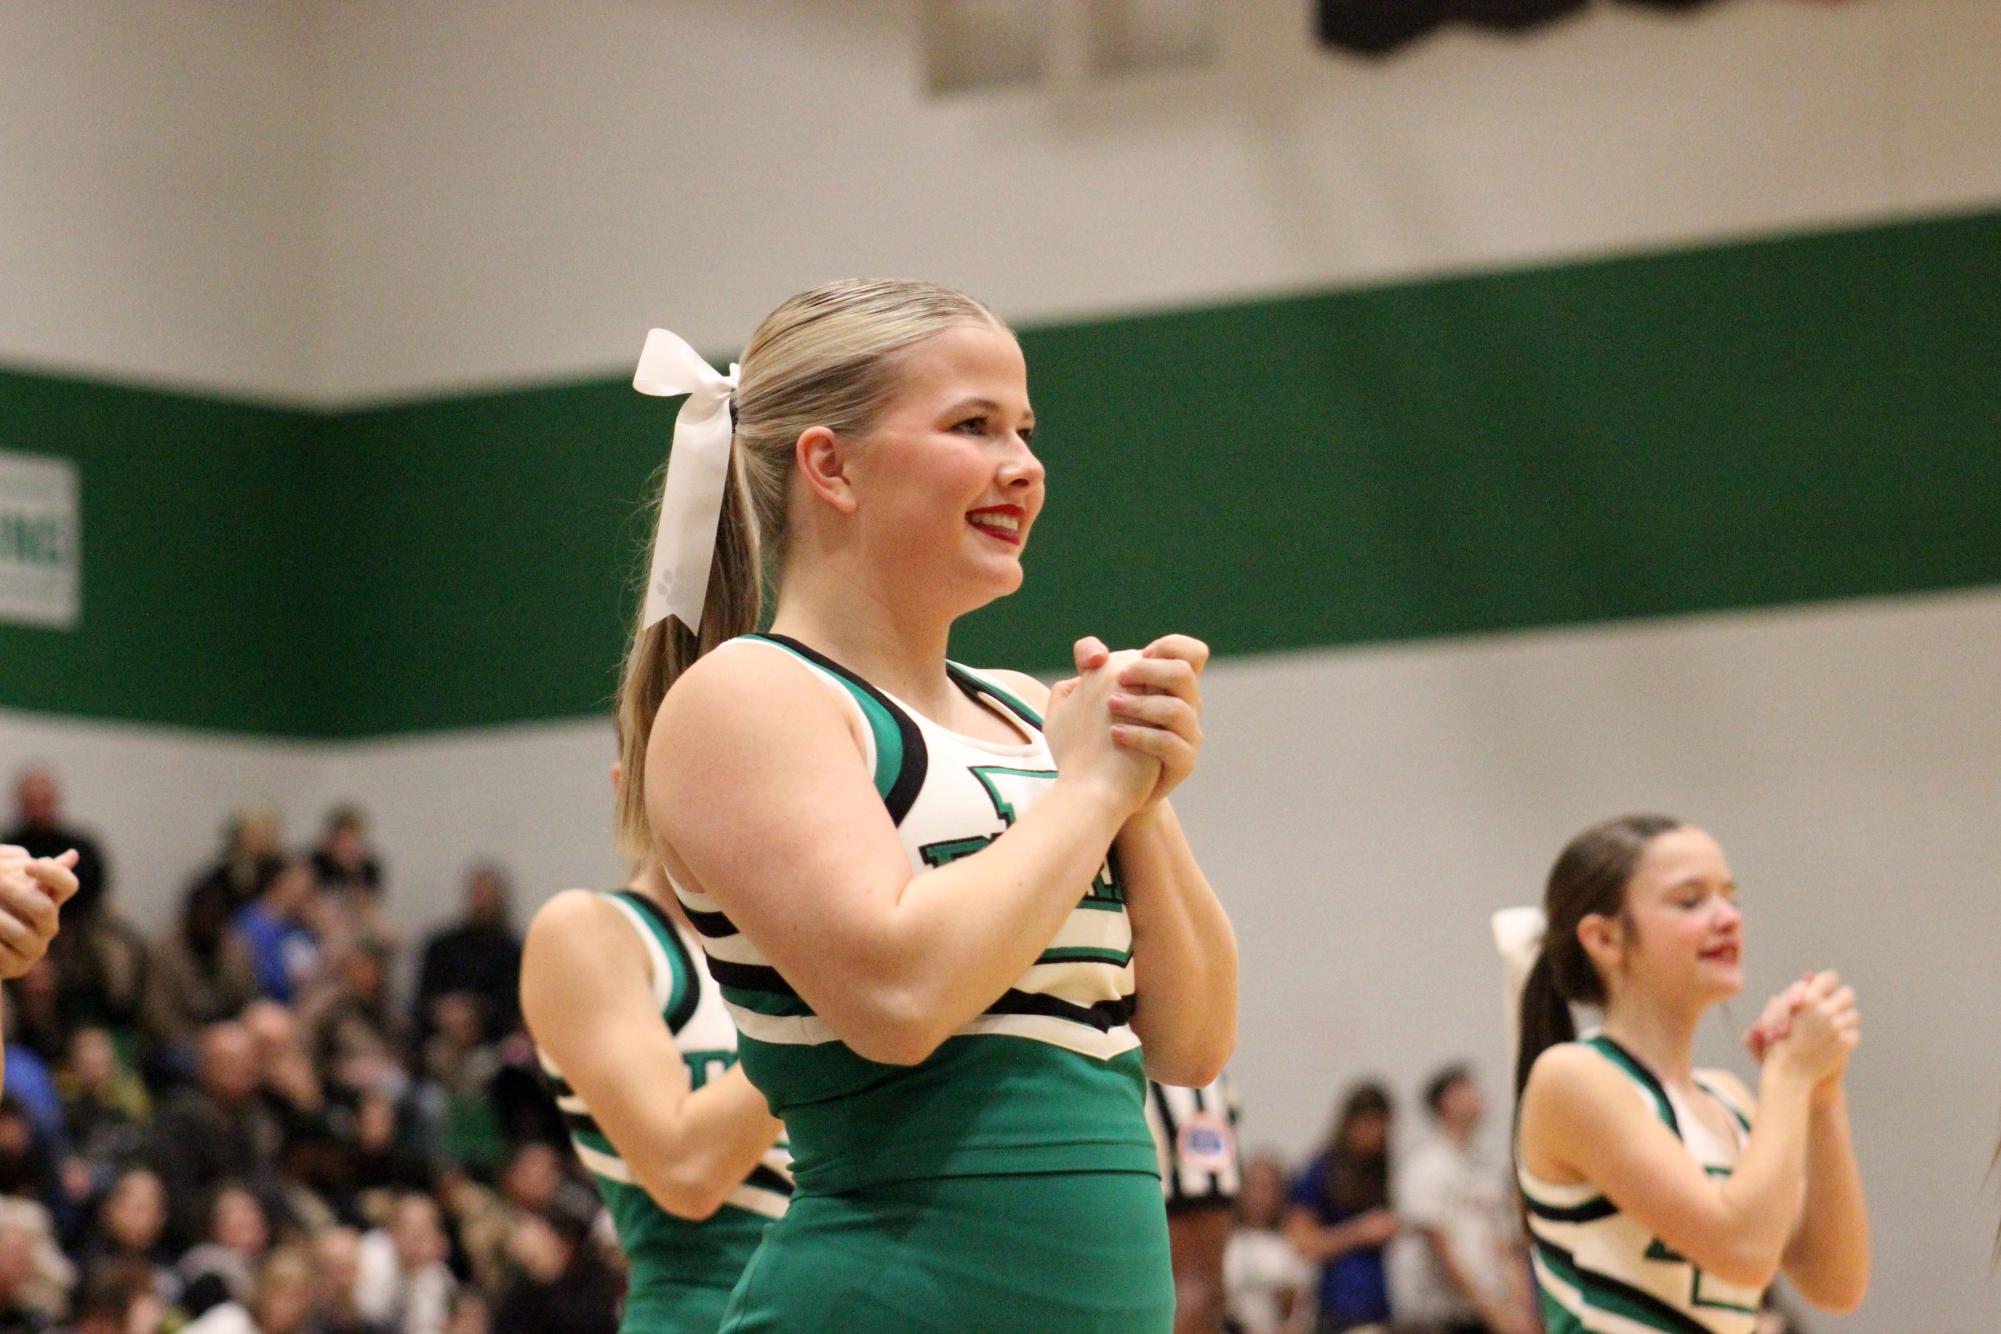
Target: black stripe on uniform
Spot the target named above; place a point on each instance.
(1588, 1212)
(1104, 1015)
(1590, 1281)
(712, 925)
(583, 1123)
(764, 1178)
(910, 777)
(749, 976)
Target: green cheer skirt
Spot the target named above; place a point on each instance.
(1076, 1252)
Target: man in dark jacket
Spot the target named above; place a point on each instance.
(480, 956)
(217, 1131)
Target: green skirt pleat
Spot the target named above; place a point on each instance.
(1076, 1252)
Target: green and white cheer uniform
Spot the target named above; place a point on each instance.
(1602, 1270)
(679, 1272)
(1008, 1181)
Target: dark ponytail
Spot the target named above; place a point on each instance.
(1546, 1020)
(1588, 879)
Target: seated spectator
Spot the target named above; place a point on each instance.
(253, 853)
(458, 1058)
(561, 1283)
(223, 1267)
(344, 862)
(281, 1301)
(30, 1162)
(463, 1066)
(358, 1037)
(29, 1083)
(287, 1080)
(104, 1105)
(1265, 1281)
(120, 1297)
(337, 1273)
(128, 1228)
(478, 1222)
(349, 884)
(520, 1095)
(201, 974)
(277, 928)
(285, 1290)
(102, 971)
(311, 1152)
(385, 1160)
(217, 1131)
(36, 1018)
(18, 1314)
(1455, 1268)
(481, 956)
(1340, 1217)
(105, 1109)
(470, 1314)
(35, 1276)
(402, 1280)
(537, 1180)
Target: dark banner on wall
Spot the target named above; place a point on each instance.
(1377, 27)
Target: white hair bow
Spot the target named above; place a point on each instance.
(1518, 935)
(698, 468)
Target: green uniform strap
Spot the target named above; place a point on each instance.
(971, 680)
(1640, 1075)
(900, 756)
(1715, 1090)
(682, 992)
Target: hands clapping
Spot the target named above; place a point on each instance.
(32, 891)
(1134, 716)
(1813, 1023)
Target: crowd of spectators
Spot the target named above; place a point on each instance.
(236, 1127)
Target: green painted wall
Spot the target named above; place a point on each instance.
(484, 573)
(1784, 421)
(197, 593)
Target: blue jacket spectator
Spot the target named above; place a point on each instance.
(284, 951)
(1339, 1215)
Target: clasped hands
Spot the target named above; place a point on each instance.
(1818, 1014)
(32, 892)
(1146, 702)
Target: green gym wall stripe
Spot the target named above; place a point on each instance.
(1761, 423)
(198, 608)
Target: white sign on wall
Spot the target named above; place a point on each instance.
(41, 541)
